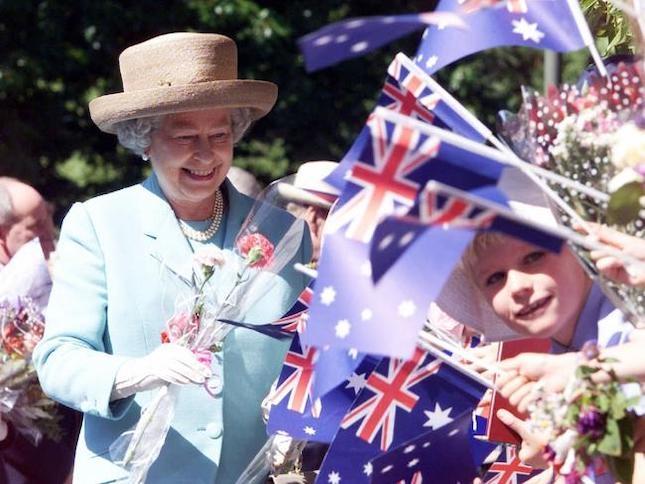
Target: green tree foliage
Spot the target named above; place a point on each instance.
(56, 55)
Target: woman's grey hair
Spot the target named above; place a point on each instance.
(135, 134)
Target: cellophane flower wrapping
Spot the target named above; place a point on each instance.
(591, 135)
(244, 276)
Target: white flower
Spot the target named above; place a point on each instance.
(628, 150)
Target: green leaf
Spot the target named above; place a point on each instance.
(602, 402)
(624, 203)
(610, 443)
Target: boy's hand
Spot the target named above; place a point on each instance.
(524, 371)
(531, 451)
(612, 267)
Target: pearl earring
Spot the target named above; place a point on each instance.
(145, 157)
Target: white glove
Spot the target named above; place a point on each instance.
(169, 363)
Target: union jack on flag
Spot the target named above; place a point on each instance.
(321, 416)
(406, 399)
(406, 93)
(409, 91)
(438, 209)
(382, 179)
(296, 319)
(391, 391)
(296, 386)
(509, 469)
(447, 207)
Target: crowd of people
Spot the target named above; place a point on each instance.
(123, 257)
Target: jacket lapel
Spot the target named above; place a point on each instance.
(167, 243)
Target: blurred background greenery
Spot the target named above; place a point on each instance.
(56, 55)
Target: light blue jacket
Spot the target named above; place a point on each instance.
(122, 264)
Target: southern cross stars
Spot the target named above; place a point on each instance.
(407, 308)
(356, 382)
(437, 417)
(333, 477)
(342, 328)
(328, 295)
(527, 30)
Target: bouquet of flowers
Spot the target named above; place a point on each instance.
(22, 401)
(588, 425)
(201, 321)
(594, 136)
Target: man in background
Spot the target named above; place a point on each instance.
(25, 215)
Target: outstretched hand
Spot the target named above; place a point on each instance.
(523, 372)
(531, 451)
(612, 267)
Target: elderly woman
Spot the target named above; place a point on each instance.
(125, 257)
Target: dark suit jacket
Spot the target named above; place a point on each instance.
(49, 462)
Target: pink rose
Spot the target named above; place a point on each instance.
(256, 249)
(180, 325)
(204, 356)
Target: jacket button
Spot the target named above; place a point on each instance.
(214, 430)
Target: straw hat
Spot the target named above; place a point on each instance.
(460, 298)
(180, 72)
(309, 186)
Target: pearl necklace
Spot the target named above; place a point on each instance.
(215, 218)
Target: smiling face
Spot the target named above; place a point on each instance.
(536, 292)
(191, 154)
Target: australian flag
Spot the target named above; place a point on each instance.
(441, 455)
(508, 469)
(294, 321)
(355, 37)
(394, 165)
(440, 208)
(349, 310)
(543, 24)
(411, 92)
(303, 416)
(400, 400)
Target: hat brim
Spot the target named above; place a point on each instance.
(109, 110)
(303, 197)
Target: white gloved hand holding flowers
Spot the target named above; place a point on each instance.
(169, 363)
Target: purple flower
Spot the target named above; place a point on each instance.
(591, 423)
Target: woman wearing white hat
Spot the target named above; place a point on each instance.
(310, 197)
(124, 255)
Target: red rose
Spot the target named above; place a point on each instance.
(164, 337)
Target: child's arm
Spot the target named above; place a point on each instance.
(553, 371)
